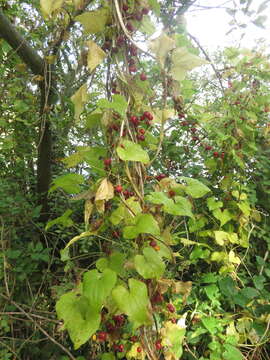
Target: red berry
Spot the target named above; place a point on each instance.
(215, 154)
(119, 320)
(133, 51)
(131, 62)
(110, 327)
(193, 130)
(145, 11)
(107, 162)
(134, 120)
(142, 117)
(143, 77)
(153, 243)
(173, 320)
(157, 298)
(115, 234)
(141, 131)
(125, 7)
(222, 155)
(139, 349)
(138, 16)
(195, 138)
(120, 40)
(171, 193)
(158, 345)
(148, 115)
(160, 177)
(121, 348)
(102, 336)
(171, 308)
(141, 137)
(184, 123)
(130, 27)
(132, 68)
(118, 188)
(208, 147)
(134, 338)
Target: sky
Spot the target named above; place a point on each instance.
(210, 26)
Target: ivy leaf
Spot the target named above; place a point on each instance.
(78, 318)
(130, 151)
(49, 6)
(123, 212)
(79, 99)
(161, 46)
(183, 61)
(232, 353)
(223, 216)
(143, 224)
(115, 262)
(94, 21)
(97, 287)
(195, 188)
(133, 302)
(211, 324)
(118, 104)
(149, 265)
(146, 26)
(69, 183)
(172, 338)
(213, 204)
(63, 220)
(95, 55)
(179, 206)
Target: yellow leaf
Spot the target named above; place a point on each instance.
(161, 47)
(233, 258)
(78, 237)
(49, 6)
(183, 61)
(95, 55)
(221, 237)
(88, 207)
(105, 191)
(79, 99)
(94, 21)
(134, 354)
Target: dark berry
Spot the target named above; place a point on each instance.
(145, 11)
(171, 308)
(102, 336)
(143, 77)
(107, 162)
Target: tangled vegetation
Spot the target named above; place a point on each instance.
(134, 209)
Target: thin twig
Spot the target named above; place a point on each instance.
(39, 327)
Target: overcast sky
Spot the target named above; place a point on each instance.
(210, 26)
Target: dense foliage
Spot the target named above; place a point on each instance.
(134, 205)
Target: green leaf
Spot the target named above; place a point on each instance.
(146, 26)
(115, 262)
(155, 6)
(94, 21)
(143, 224)
(149, 265)
(179, 206)
(183, 61)
(227, 286)
(232, 353)
(63, 220)
(133, 302)
(49, 6)
(172, 337)
(213, 204)
(195, 188)
(212, 291)
(211, 324)
(259, 281)
(92, 157)
(108, 356)
(69, 183)
(123, 212)
(117, 104)
(93, 120)
(223, 216)
(80, 321)
(97, 287)
(130, 151)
